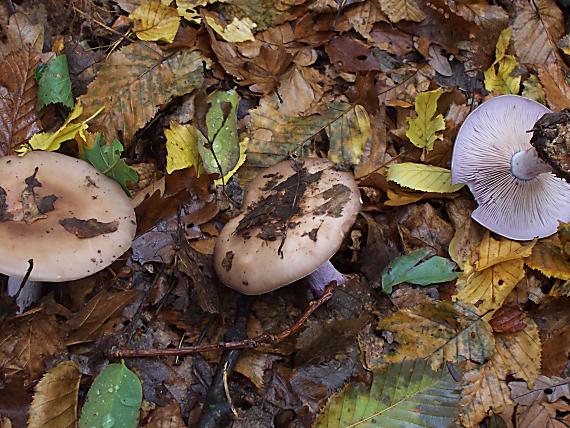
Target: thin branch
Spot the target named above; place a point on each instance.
(264, 338)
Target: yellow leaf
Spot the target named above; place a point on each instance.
(349, 135)
(182, 148)
(501, 76)
(154, 21)
(495, 275)
(55, 401)
(485, 388)
(188, 9)
(239, 30)
(564, 44)
(242, 156)
(68, 131)
(426, 178)
(534, 90)
(423, 128)
(439, 331)
(492, 251)
(547, 257)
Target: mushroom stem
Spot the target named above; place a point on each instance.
(26, 295)
(526, 165)
(324, 275)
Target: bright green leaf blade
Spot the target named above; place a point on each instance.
(424, 127)
(223, 152)
(107, 159)
(113, 400)
(407, 394)
(398, 268)
(54, 84)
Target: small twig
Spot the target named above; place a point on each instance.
(264, 338)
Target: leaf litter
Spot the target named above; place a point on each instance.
(182, 103)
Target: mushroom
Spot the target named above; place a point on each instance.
(63, 214)
(518, 195)
(297, 214)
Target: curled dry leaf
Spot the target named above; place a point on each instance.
(55, 401)
(399, 10)
(508, 319)
(154, 21)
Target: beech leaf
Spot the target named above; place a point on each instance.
(423, 128)
(402, 395)
(502, 76)
(114, 399)
(410, 268)
(348, 135)
(154, 21)
(427, 178)
(402, 10)
(18, 99)
(54, 83)
(549, 258)
(107, 159)
(134, 82)
(55, 401)
(239, 30)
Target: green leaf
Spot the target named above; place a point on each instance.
(54, 84)
(424, 127)
(113, 400)
(408, 394)
(107, 159)
(409, 269)
(218, 141)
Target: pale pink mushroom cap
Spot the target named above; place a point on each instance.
(295, 217)
(482, 158)
(82, 193)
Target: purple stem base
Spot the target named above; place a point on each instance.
(324, 275)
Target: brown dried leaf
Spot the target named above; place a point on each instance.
(349, 54)
(537, 27)
(26, 342)
(541, 415)
(84, 229)
(86, 325)
(508, 319)
(14, 403)
(55, 401)
(556, 87)
(134, 82)
(166, 417)
(18, 96)
(21, 33)
(400, 10)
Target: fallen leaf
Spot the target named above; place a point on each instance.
(403, 394)
(556, 87)
(348, 135)
(398, 10)
(107, 159)
(534, 90)
(18, 98)
(508, 319)
(502, 76)
(349, 54)
(238, 30)
(86, 324)
(91, 228)
(21, 34)
(427, 178)
(537, 25)
(182, 149)
(545, 388)
(26, 342)
(166, 417)
(439, 332)
(540, 415)
(71, 128)
(134, 82)
(547, 257)
(423, 128)
(54, 83)
(55, 401)
(154, 21)
(414, 269)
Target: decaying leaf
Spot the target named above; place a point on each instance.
(398, 10)
(239, 30)
(134, 82)
(21, 34)
(348, 135)
(440, 332)
(26, 342)
(85, 229)
(154, 21)
(549, 258)
(502, 76)
(556, 87)
(404, 394)
(495, 274)
(181, 145)
(423, 128)
(18, 98)
(55, 401)
(427, 178)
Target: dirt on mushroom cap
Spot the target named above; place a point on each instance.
(297, 214)
(81, 193)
